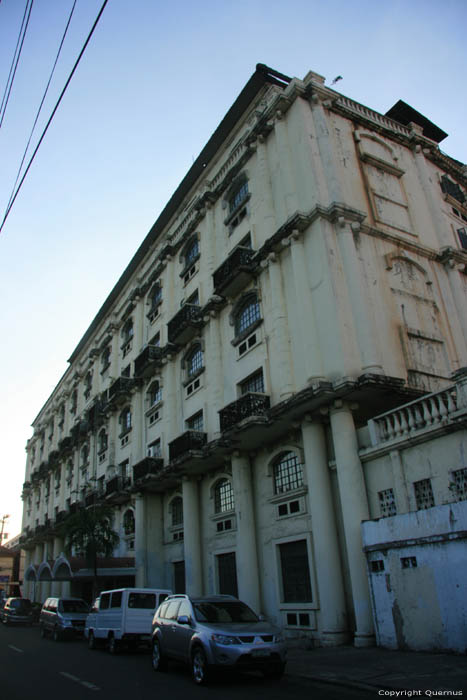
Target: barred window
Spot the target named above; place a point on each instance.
(176, 511)
(127, 331)
(288, 474)
(238, 196)
(102, 440)
(424, 494)
(253, 383)
(125, 418)
(223, 496)
(196, 422)
(194, 361)
(129, 522)
(247, 315)
(155, 296)
(387, 503)
(460, 484)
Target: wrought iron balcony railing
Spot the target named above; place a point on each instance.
(185, 443)
(148, 465)
(250, 405)
(147, 360)
(234, 272)
(121, 387)
(117, 484)
(182, 327)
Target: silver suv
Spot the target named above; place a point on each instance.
(63, 617)
(215, 632)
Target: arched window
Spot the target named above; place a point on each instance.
(238, 195)
(127, 331)
(74, 401)
(102, 440)
(88, 384)
(194, 361)
(191, 252)
(223, 496)
(247, 314)
(154, 393)
(125, 419)
(176, 511)
(288, 473)
(129, 522)
(155, 296)
(84, 454)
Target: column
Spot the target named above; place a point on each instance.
(354, 510)
(400, 484)
(155, 574)
(326, 152)
(246, 554)
(56, 588)
(267, 211)
(283, 148)
(215, 378)
(435, 214)
(192, 537)
(364, 327)
(333, 614)
(140, 542)
(308, 336)
(280, 355)
(454, 271)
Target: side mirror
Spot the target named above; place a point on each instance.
(183, 620)
(262, 618)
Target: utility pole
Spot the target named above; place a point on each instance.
(3, 520)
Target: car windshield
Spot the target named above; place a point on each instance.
(21, 604)
(74, 606)
(224, 611)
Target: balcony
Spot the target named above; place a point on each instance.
(250, 405)
(65, 445)
(117, 489)
(184, 325)
(120, 390)
(191, 440)
(148, 360)
(149, 466)
(61, 517)
(234, 273)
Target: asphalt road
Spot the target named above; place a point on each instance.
(31, 667)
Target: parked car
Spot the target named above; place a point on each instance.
(63, 617)
(17, 610)
(123, 617)
(215, 632)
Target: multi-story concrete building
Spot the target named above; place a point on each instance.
(237, 397)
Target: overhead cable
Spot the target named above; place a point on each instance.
(10, 205)
(42, 102)
(16, 57)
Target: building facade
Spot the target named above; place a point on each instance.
(307, 277)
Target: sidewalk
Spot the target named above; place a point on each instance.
(382, 669)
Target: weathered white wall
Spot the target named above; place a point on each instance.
(421, 608)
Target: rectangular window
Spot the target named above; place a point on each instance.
(142, 601)
(462, 233)
(116, 600)
(179, 576)
(296, 581)
(377, 566)
(424, 494)
(196, 422)
(460, 484)
(254, 382)
(227, 574)
(387, 503)
(409, 562)
(105, 601)
(154, 449)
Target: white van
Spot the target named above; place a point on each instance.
(123, 617)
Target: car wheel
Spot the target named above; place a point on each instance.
(43, 632)
(274, 672)
(113, 645)
(159, 662)
(199, 666)
(56, 634)
(92, 643)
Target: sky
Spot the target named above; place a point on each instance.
(152, 86)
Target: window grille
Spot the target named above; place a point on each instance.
(387, 503)
(253, 383)
(223, 496)
(288, 474)
(424, 494)
(195, 361)
(296, 581)
(238, 196)
(247, 315)
(196, 422)
(460, 484)
(176, 510)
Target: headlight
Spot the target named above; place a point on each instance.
(224, 639)
(67, 623)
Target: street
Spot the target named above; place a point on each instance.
(33, 667)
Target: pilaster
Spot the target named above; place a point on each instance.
(192, 537)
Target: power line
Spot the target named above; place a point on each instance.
(10, 205)
(14, 65)
(42, 102)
